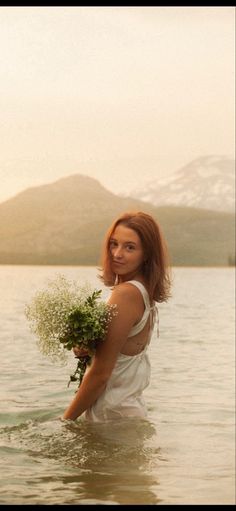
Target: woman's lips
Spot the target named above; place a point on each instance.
(118, 263)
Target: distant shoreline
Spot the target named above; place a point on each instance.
(96, 266)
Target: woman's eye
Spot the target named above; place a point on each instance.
(130, 247)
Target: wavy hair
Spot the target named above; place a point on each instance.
(156, 268)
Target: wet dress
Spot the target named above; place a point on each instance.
(122, 396)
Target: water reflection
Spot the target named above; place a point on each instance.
(114, 460)
(110, 463)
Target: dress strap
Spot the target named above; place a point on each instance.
(149, 310)
(155, 319)
(142, 290)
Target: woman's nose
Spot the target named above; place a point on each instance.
(117, 252)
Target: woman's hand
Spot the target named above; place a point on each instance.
(80, 352)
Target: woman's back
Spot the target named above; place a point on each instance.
(122, 396)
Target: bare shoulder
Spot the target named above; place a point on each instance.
(127, 294)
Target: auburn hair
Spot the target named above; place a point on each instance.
(156, 268)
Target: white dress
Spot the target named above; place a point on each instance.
(122, 396)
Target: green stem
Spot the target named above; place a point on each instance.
(80, 370)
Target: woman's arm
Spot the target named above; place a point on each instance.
(130, 308)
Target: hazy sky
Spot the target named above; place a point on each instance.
(122, 94)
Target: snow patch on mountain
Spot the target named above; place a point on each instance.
(207, 182)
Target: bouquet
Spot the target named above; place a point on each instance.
(67, 315)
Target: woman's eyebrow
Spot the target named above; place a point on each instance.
(125, 241)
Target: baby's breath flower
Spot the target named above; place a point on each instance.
(67, 315)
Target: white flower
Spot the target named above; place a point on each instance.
(66, 315)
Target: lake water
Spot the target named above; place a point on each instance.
(184, 453)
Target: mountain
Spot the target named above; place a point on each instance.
(65, 223)
(207, 182)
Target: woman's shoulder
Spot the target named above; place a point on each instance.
(129, 294)
(138, 284)
(125, 288)
(126, 292)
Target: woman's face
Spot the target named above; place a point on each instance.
(127, 255)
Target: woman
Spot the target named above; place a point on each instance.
(135, 265)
